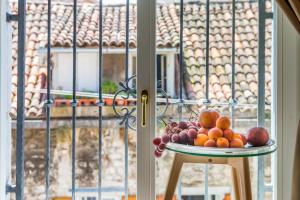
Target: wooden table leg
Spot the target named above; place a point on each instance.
(235, 183)
(241, 165)
(173, 177)
(240, 174)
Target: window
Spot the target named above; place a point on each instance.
(87, 69)
(188, 84)
(165, 68)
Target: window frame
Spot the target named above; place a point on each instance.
(5, 101)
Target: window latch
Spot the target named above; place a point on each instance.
(11, 17)
(10, 188)
(144, 100)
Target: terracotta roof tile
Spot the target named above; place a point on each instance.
(114, 36)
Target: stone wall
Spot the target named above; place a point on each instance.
(112, 158)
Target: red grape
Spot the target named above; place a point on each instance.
(183, 137)
(156, 141)
(192, 133)
(183, 125)
(157, 154)
(165, 139)
(195, 124)
(176, 130)
(193, 127)
(175, 138)
(161, 147)
(173, 124)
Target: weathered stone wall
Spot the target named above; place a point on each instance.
(113, 162)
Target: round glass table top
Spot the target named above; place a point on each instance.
(248, 151)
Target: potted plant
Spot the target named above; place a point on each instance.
(109, 87)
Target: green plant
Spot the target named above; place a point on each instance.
(109, 87)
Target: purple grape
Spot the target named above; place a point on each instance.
(195, 124)
(161, 147)
(183, 137)
(183, 125)
(157, 154)
(192, 133)
(156, 141)
(175, 138)
(173, 124)
(193, 127)
(177, 130)
(165, 139)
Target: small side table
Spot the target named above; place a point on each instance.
(235, 157)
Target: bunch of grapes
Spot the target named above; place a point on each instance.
(181, 133)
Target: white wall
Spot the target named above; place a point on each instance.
(287, 88)
(62, 71)
(5, 91)
(87, 71)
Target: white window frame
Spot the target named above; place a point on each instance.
(286, 100)
(5, 92)
(146, 80)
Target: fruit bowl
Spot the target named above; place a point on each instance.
(247, 151)
(212, 134)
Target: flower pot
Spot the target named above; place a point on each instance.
(109, 101)
(121, 102)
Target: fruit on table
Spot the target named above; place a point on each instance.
(203, 130)
(183, 137)
(165, 139)
(156, 141)
(210, 143)
(183, 125)
(211, 130)
(236, 143)
(215, 133)
(192, 133)
(216, 115)
(244, 139)
(223, 123)
(228, 134)
(175, 138)
(157, 153)
(222, 142)
(200, 139)
(161, 147)
(207, 119)
(258, 136)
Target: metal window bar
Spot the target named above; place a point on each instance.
(207, 100)
(181, 63)
(100, 101)
(233, 100)
(74, 101)
(261, 93)
(48, 106)
(126, 80)
(20, 100)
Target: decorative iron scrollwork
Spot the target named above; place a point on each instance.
(127, 114)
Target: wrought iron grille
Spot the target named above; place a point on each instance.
(128, 117)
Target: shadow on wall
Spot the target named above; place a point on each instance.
(296, 171)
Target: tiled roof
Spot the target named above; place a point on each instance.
(167, 36)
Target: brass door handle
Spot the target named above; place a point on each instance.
(144, 100)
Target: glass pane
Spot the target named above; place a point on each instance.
(199, 180)
(118, 160)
